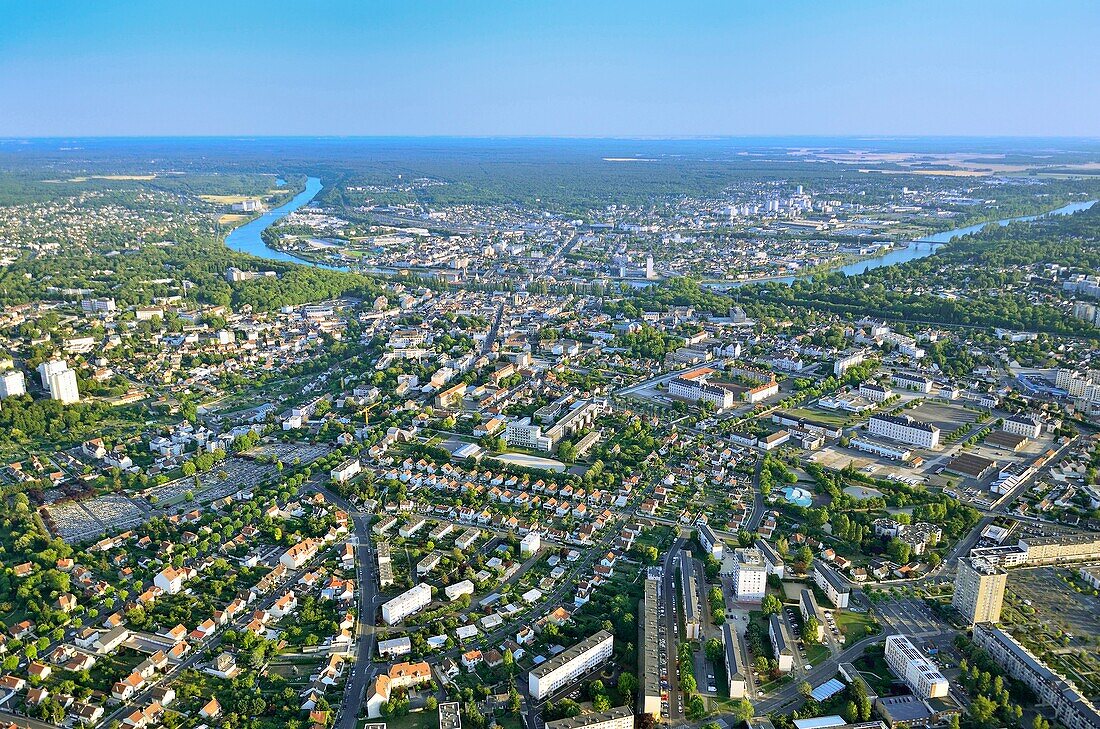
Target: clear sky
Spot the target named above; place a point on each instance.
(549, 67)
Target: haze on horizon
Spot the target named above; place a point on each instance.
(645, 68)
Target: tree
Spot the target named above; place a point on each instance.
(809, 630)
(805, 689)
(601, 703)
(742, 710)
(627, 684)
(714, 650)
(771, 605)
(696, 708)
(899, 551)
(514, 701)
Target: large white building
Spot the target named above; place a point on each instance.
(12, 383)
(917, 383)
(832, 584)
(59, 381)
(710, 541)
(1028, 426)
(904, 429)
(523, 433)
(693, 386)
(530, 544)
(911, 665)
(346, 470)
(847, 361)
(750, 575)
(407, 603)
(874, 392)
(569, 665)
(618, 718)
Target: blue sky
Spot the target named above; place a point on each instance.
(536, 67)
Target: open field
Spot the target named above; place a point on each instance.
(231, 218)
(228, 199)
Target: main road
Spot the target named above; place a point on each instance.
(362, 670)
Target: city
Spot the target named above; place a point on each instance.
(397, 393)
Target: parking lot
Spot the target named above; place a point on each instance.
(909, 616)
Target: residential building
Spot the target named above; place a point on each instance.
(782, 645)
(912, 666)
(750, 575)
(12, 384)
(979, 590)
(834, 586)
(407, 603)
(735, 667)
(710, 541)
(621, 717)
(1072, 709)
(570, 665)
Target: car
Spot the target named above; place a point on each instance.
(808, 666)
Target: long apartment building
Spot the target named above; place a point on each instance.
(807, 605)
(689, 594)
(569, 665)
(979, 590)
(912, 666)
(904, 429)
(407, 603)
(832, 584)
(782, 645)
(735, 668)
(1071, 708)
(649, 668)
(618, 718)
(385, 565)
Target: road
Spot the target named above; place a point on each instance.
(494, 328)
(362, 671)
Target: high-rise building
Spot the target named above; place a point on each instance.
(59, 381)
(979, 590)
(12, 383)
(750, 575)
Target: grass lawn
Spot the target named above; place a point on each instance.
(854, 626)
(413, 720)
(826, 417)
(815, 654)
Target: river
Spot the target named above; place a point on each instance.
(247, 239)
(920, 248)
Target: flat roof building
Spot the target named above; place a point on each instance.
(979, 590)
(569, 665)
(912, 666)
